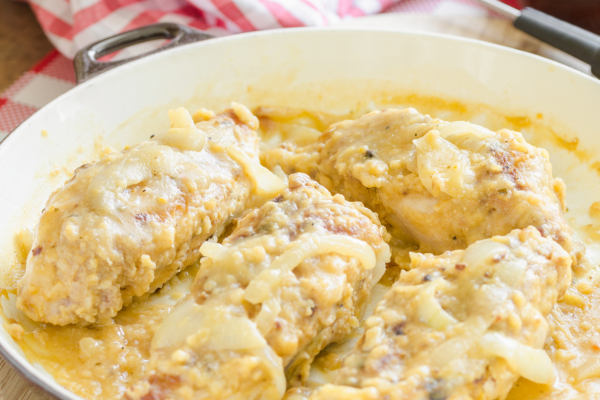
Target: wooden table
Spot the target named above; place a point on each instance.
(22, 41)
(28, 45)
(22, 45)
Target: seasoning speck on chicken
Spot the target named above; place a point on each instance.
(290, 279)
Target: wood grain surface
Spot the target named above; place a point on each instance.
(22, 41)
(19, 58)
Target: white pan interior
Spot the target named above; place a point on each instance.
(326, 69)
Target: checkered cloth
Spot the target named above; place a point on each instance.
(50, 78)
(71, 24)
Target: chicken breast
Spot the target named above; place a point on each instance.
(123, 226)
(290, 279)
(437, 184)
(462, 325)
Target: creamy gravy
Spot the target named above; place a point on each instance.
(99, 362)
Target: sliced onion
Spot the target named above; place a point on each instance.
(465, 135)
(226, 331)
(441, 166)
(268, 314)
(266, 183)
(383, 258)
(183, 138)
(511, 272)
(137, 166)
(300, 134)
(180, 118)
(213, 250)
(305, 248)
(487, 299)
(477, 255)
(245, 115)
(530, 363)
(184, 320)
(450, 350)
(183, 134)
(277, 385)
(429, 310)
(229, 332)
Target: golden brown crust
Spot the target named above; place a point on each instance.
(316, 302)
(86, 264)
(400, 355)
(440, 190)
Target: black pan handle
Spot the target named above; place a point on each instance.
(571, 39)
(86, 61)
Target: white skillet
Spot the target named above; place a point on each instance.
(327, 69)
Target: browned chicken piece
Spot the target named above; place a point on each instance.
(125, 225)
(291, 278)
(437, 184)
(462, 325)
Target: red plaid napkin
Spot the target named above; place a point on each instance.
(72, 24)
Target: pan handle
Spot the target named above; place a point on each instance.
(86, 61)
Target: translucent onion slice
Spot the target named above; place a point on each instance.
(266, 183)
(183, 134)
(429, 310)
(465, 135)
(180, 118)
(383, 258)
(269, 312)
(479, 253)
(245, 115)
(450, 350)
(139, 165)
(275, 387)
(183, 321)
(511, 272)
(258, 289)
(530, 363)
(441, 166)
(183, 138)
(299, 134)
(487, 299)
(229, 332)
(225, 331)
(213, 250)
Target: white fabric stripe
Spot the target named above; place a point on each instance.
(78, 5)
(65, 46)
(59, 8)
(176, 18)
(368, 6)
(258, 14)
(330, 15)
(330, 5)
(303, 12)
(208, 7)
(116, 21)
